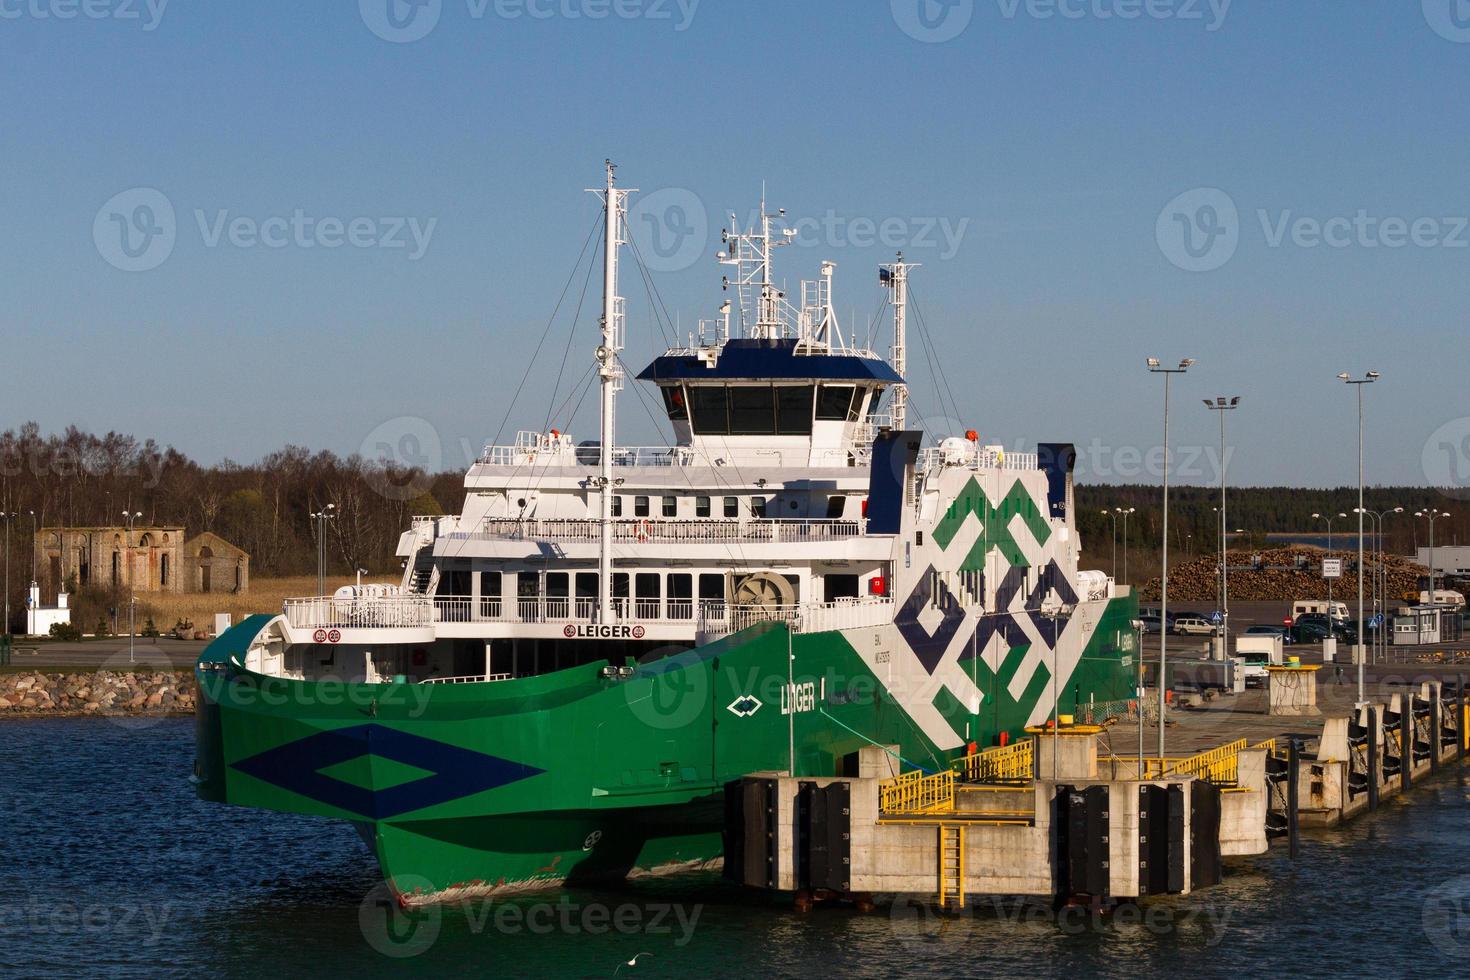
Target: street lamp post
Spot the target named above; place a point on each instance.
(1330, 618)
(9, 516)
(1156, 367)
(321, 517)
(1109, 513)
(1431, 515)
(128, 552)
(1358, 383)
(1125, 511)
(1383, 576)
(1220, 406)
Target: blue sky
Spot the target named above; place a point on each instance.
(1043, 165)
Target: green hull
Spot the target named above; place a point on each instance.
(572, 776)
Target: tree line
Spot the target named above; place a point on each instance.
(80, 479)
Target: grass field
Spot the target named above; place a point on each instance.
(265, 596)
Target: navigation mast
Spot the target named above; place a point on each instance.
(895, 276)
(610, 373)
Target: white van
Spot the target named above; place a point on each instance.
(1336, 611)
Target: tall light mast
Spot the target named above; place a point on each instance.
(896, 278)
(610, 373)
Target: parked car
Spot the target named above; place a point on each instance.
(1191, 626)
(1150, 624)
(1266, 629)
(1314, 629)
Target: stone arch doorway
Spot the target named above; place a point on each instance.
(206, 565)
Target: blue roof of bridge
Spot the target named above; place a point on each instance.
(769, 359)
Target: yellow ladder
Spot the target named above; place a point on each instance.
(951, 865)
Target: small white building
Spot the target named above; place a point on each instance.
(39, 618)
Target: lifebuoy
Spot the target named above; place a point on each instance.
(644, 530)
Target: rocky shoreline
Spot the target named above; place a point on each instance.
(105, 693)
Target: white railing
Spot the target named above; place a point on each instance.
(533, 610)
(467, 679)
(327, 612)
(665, 456)
(931, 458)
(719, 618)
(667, 531)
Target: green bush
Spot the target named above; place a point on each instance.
(102, 630)
(149, 630)
(66, 632)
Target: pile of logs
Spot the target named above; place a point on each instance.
(1285, 574)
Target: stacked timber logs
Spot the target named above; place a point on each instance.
(1272, 574)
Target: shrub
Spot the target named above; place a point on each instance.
(102, 629)
(66, 631)
(149, 630)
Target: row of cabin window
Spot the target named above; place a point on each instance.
(646, 585)
(761, 410)
(703, 506)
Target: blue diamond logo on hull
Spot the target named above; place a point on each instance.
(452, 772)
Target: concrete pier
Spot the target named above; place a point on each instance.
(1062, 816)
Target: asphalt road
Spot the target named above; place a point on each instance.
(111, 653)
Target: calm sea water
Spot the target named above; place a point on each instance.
(111, 868)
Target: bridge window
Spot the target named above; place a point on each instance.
(701, 506)
(732, 506)
(671, 506)
(794, 410)
(758, 507)
(710, 405)
(834, 403)
(752, 410)
(674, 403)
(640, 506)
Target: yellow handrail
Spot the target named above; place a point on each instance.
(1218, 766)
(917, 792)
(1005, 763)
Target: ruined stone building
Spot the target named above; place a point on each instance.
(150, 559)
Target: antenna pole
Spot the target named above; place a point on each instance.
(896, 278)
(610, 374)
